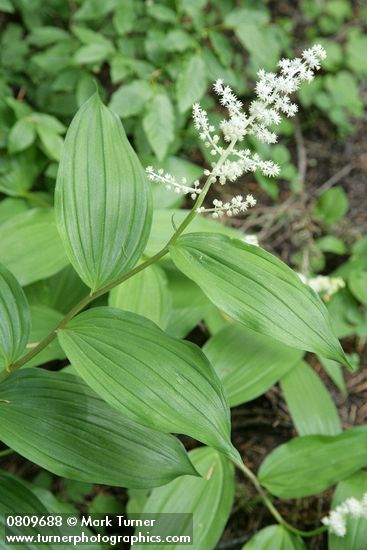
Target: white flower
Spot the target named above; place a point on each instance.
(273, 101)
(337, 519)
(172, 184)
(237, 205)
(323, 284)
(251, 239)
(336, 523)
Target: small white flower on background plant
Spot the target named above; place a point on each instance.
(251, 239)
(322, 284)
(336, 521)
(265, 112)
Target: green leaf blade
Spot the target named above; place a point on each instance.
(209, 498)
(258, 290)
(149, 376)
(15, 319)
(102, 198)
(158, 124)
(312, 409)
(276, 537)
(145, 294)
(191, 83)
(30, 246)
(17, 498)
(248, 363)
(66, 428)
(310, 464)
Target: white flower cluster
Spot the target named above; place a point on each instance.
(273, 101)
(323, 284)
(172, 184)
(337, 519)
(235, 206)
(251, 239)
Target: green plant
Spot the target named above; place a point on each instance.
(131, 385)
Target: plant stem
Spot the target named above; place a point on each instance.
(93, 295)
(270, 506)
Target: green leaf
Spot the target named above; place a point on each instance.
(310, 464)
(247, 363)
(329, 243)
(15, 319)
(178, 40)
(65, 290)
(209, 498)
(159, 124)
(275, 537)
(30, 246)
(21, 136)
(335, 372)
(356, 535)
(331, 206)
(312, 409)
(15, 499)
(67, 429)
(131, 99)
(344, 93)
(189, 304)
(20, 172)
(146, 294)
(92, 53)
(124, 16)
(356, 48)
(165, 221)
(102, 198)
(161, 13)
(7, 6)
(51, 122)
(191, 83)
(47, 35)
(149, 376)
(257, 289)
(357, 283)
(52, 143)
(11, 207)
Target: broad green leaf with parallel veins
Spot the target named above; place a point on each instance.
(146, 294)
(189, 304)
(15, 319)
(274, 537)
(15, 499)
(102, 197)
(310, 464)
(165, 221)
(30, 245)
(149, 376)
(208, 498)
(66, 428)
(312, 409)
(248, 363)
(258, 290)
